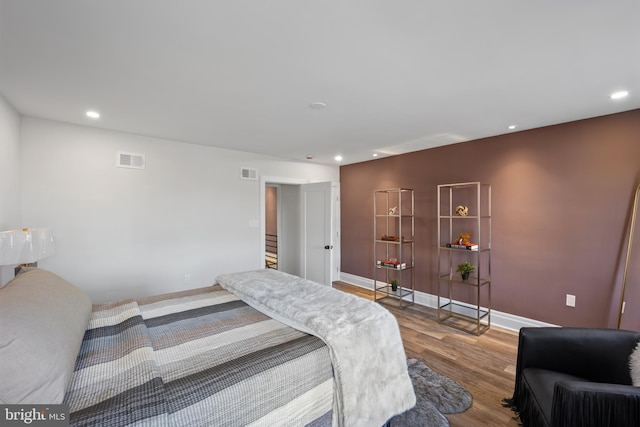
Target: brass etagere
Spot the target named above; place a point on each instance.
(393, 245)
(464, 303)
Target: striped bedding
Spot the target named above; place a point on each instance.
(197, 358)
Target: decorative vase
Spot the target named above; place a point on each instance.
(394, 288)
(465, 276)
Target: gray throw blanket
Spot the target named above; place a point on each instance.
(369, 363)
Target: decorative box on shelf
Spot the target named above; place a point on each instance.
(390, 263)
(462, 242)
(469, 247)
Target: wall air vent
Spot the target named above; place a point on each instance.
(130, 160)
(248, 173)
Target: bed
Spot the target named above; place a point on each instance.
(259, 348)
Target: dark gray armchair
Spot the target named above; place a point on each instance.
(575, 377)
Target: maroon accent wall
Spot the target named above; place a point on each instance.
(562, 198)
(271, 210)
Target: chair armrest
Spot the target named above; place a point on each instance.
(599, 355)
(587, 404)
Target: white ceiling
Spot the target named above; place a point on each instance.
(396, 76)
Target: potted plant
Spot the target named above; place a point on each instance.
(465, 268)
(394, 285)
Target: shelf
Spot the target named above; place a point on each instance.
(394, 190)
(465, 217)
(472, 281)
(444, 248)
(460, 185)
(475, 291)
(384, 267)
(398, 225)
(399, 293)
(460, 310)
(471, 322)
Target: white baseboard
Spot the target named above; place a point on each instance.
(498, 318)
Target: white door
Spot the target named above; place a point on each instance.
(319, 238)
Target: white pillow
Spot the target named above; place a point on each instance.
(42, 322)
(634, 364)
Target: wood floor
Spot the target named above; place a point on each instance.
(484, 365)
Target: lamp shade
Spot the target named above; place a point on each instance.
(25, 246)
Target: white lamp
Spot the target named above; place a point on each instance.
(25, 247)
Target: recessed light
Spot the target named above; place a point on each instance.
(375, 154)
(318, 105)
(338, 158)
(309, 157)
(512, 127)
(93, 114)
(619, 95)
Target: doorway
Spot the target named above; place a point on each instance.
(304, 218)
(271, 218)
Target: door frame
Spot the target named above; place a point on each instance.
(335, 217)
(278, 188)
(264, 180)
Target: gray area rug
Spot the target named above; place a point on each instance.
(435, 395)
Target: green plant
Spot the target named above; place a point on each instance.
(394, 284)
(465, 268)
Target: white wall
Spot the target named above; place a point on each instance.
(9, 175)
(126, 233)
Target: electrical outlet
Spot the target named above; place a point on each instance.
(187, 279)
(571, 300)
